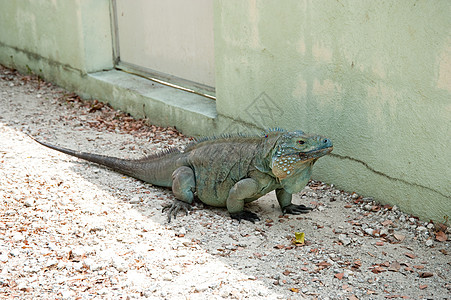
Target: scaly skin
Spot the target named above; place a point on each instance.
(227, 171)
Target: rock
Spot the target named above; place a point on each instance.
(368, 207)
(421, 228)
(23, 286)
(15, 252)
(182, 231)
(369, 231)
(384, 232)
(119, 263)
(29, 202)
(201, 287)
(343, 238)
(167, 277)
(176, 269)
(78, 253)
(78, 266)
(224, 293)
(135, 200)
(429, 243)
(52, 262)
(18, 237)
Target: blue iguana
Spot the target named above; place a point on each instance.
(227, 171)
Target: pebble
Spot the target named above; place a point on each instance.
(29, 202)
(369, 231)
(201, 287)
(135, 200)
(421, 229)
(119, 263)
(368, 207)
(344, 239)
(182, 231)
(18, 237)
(167, 277)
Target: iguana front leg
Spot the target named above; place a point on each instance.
(243, 189)
(287, 207)
(183, 187)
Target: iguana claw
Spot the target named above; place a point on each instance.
(175, 207)
(296, 209)
(245, 215)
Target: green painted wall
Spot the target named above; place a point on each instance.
(60, 39)
(375, 76)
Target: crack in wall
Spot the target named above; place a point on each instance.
(388, 176)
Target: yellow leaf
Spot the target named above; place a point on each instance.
(299, 237)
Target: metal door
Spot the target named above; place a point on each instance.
(171, 40)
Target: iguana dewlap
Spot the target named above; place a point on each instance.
(227, 171)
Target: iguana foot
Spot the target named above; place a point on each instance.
(175, 207)
(295, 209)
(245, 215)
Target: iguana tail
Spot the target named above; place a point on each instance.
(156, 169)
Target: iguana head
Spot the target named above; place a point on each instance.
(294, 152)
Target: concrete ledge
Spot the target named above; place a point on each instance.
(163, 105)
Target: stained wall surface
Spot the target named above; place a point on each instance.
(374, 76)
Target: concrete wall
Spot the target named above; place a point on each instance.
(375, 76)
(59, 40)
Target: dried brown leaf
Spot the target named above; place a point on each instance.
(425, 274)
(287, 272)
(378, 269)
(324, 264)
(419, 267)
(441, 236)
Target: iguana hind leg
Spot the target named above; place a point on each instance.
(287, 207)
(183, 187)
(243, 189)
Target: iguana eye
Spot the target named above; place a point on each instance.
(301, 142)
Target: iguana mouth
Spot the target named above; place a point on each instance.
(315, 153)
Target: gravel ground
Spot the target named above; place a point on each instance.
(73, 230)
